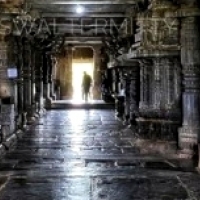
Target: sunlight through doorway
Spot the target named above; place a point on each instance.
(77, 75)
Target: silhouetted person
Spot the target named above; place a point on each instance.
(86, 83)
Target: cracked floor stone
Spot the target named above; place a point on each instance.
(87, 155)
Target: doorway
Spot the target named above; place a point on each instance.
(77, 75)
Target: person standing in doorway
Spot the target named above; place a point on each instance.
(86, 84)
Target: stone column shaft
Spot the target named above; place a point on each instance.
(27, 80)
(134, 93)
(7, 115)
(47, 79)
(20, 83)
(167, 83)
(40, 83)
(189, 134)
(156, 90)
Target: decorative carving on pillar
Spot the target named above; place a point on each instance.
(145, 85)
(156, 88)
(134, 92)
(189, 134)
(7, 115)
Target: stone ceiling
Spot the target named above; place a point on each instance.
(99, 19)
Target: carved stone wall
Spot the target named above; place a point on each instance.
(157, 48)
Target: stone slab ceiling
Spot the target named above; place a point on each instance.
(98, 20)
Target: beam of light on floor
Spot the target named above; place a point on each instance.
(77, 76)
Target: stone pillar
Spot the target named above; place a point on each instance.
(145, 84)
(7, 115)
(134, 92)
(20, 84)
(156, 89)
(53, 78)
(116, 80)
(167, 83)
(97, 74)
(27, 81)
(189, 133)
(33, 84)
(126, 82)
(177, 81)
(47, 79)
(39, 82)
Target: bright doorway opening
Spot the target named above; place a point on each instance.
(77, 76)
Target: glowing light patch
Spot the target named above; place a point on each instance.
(79, 9)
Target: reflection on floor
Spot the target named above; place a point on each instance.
(89, 155)
(95, 104)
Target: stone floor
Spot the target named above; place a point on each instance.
(91, 104)
(88, 155)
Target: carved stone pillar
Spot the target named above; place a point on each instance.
(45, 76)
(126, 85)
(27, 81)
(97, 74)
(134, 92)
(33, 83)
(53, 77)
(156, 89)
(7, 115)
(146, 82)
(118, 89)
(39, 82)
(20, 83)
(189, 134)
(47, 79)
(167, 83)
(115, 84)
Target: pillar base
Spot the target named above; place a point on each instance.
(24, 120)
(30, 116)
(30, 120)
(53, 97)
(119, 107)
(188, 141)
(41, 112)
(156, 129)
(48, 102)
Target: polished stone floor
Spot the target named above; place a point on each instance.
(88, 155)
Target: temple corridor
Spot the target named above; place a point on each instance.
(100, 99)
(89, 155)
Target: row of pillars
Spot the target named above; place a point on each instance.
(162, 93)
(25, 97)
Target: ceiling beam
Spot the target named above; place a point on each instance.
(82, 26)
(71, 2)
(86, 15)
(83, 40)
(77, 42)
